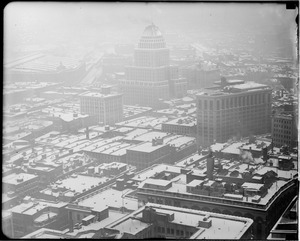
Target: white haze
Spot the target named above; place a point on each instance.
(54, 22)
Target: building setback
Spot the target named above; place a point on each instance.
(152, 77)
(233, 110)
(107, 106)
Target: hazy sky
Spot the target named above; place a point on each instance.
(35, 22)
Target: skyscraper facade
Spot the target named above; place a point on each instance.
(233, 110)
(151, 78)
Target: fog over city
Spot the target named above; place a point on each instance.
(50, 23)
(150, 120)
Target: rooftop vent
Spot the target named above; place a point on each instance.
(20, 179)
(205, 222)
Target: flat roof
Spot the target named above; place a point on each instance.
(148, 136)
(146, 147)
(157, 182)
(13, 178)
(185, 162)
(252, 186)
(179, 141)
(131, 225)
(194, 183)
(81, 183)
(183, 121)
(99, 95)
(223, 226)
(33, 207)
(110, 198)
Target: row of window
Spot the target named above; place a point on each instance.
(285, 136)
(152, 45)
(282, 121)
(283, 131)
(172, 231)
(234, 102)
(282, 126)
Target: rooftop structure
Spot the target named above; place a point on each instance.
(174, 222)
(222, 186)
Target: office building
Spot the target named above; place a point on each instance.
(233, 110)
(152, 77)
(106, 105)
(284, 129)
